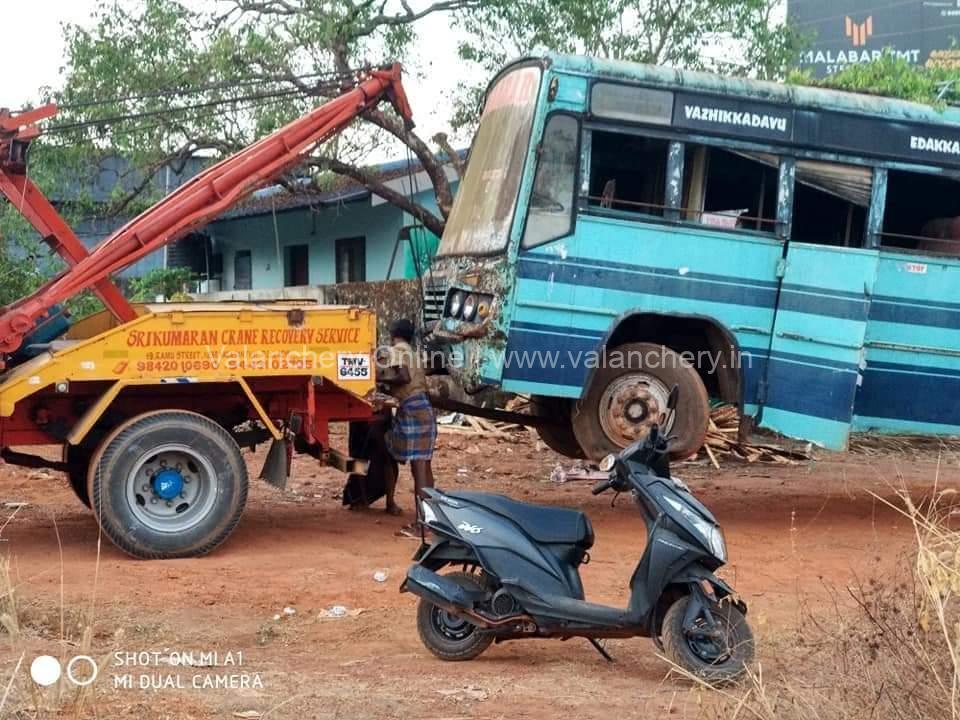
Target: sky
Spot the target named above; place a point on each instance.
(32, 54)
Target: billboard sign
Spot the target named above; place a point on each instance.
(846, 32)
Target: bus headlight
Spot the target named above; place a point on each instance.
(470, 307)
(455, 304)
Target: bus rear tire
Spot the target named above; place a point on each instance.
(558, 437)
(168, 484)
(628, 395)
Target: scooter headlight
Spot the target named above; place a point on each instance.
(708, 532)
(606, 465)
(717, 544)
(429, 516)
(714, 537)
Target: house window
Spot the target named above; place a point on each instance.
(242, 270)
(296, 265)
(730, 190)
(351, 259)
(550, 214)
(628, 172)
(922, 213)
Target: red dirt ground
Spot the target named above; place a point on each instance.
(796, 536)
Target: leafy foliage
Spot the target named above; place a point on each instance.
(892, 76)
(157, 83)
(169, 282)
(695, 34)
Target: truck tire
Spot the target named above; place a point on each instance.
(168, 484)
(559, 437)
(78, 468)
(628, 395)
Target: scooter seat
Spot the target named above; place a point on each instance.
(545, 524)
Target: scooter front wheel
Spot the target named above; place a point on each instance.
(449, 636)
(717, 654)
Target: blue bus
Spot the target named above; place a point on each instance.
(622, 228)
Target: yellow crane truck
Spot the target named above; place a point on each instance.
(152, 403)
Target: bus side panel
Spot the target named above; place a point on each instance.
(912, 378)
(817, 350)
(571, 292)
(540, 333)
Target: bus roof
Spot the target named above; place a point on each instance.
(762, 90)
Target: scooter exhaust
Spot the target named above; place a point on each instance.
(448, 595)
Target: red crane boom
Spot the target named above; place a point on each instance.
(205, 196)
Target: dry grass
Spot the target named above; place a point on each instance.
(894, 656)
(9, 617)
(28, 623)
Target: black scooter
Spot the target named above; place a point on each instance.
(520, 577)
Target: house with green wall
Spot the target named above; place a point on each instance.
(277, 240)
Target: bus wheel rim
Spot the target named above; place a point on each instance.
(632, 404)
(172, 488)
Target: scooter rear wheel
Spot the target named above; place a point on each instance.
(714, 659)
(448, 636)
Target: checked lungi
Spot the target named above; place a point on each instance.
(414, 430)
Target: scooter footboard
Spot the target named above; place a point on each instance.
(439, 590)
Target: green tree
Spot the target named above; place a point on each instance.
(892, 76)
(734, 37)
(169, 283)
(159, 81)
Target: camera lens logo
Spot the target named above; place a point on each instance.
(45, 670)
(82, 670)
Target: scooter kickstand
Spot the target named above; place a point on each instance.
(600, 649)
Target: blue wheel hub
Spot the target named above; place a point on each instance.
(168, 484)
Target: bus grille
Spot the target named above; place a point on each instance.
(434, 297)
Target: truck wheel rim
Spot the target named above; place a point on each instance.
(172, 488)
(632, 404)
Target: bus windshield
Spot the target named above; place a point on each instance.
(479, 222)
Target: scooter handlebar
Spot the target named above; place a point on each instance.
(602, 486)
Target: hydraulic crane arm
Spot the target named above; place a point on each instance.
(194, 204)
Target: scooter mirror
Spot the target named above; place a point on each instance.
(606, 465)
(673, 397)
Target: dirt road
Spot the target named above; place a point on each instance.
(795, 535)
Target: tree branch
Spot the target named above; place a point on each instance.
(377, 186)
(266, 7)
(176, 161)
(409, 15)
(431, 165)
(666, 31)
(453, 156)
